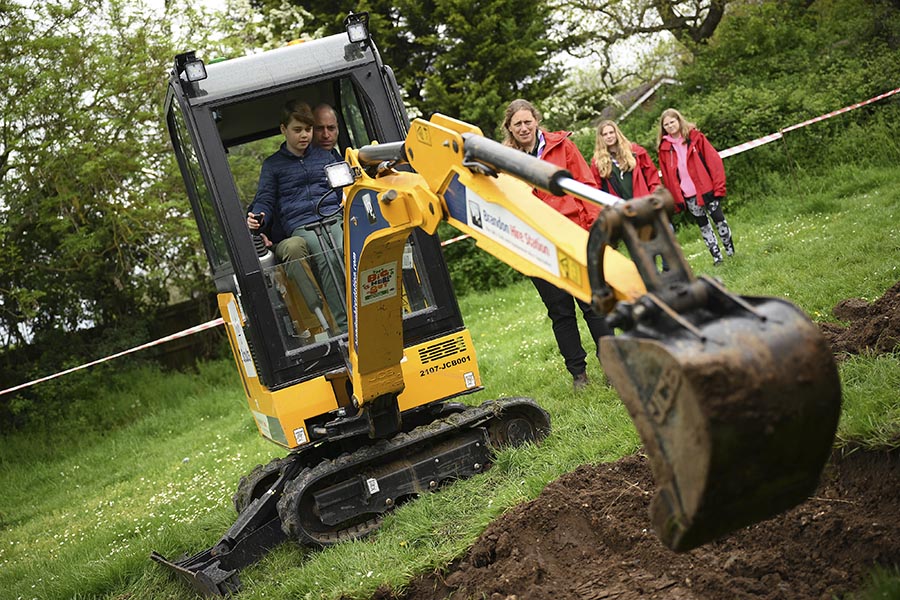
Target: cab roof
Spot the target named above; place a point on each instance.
(267, 71)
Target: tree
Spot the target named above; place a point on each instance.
(465, 58)
(610, 22)
(94, 227)
(620, 44)
(474, 76)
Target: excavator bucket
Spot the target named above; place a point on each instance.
(738, 421)
(736, 399)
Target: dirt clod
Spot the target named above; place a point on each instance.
(872, 327)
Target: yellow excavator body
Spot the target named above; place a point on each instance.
(736, 399)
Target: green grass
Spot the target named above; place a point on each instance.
(152, 465)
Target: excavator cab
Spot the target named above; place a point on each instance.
(222, 127)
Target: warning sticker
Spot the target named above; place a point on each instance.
(300, 435)
(569, 268)
(243, 346)
(378, 283)
(469, 377)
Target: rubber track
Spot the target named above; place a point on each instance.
(289, 505)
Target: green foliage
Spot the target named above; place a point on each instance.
(621, 43)
(96, 234)
(583, 96)
(245, 161)
(93, 222)
(585, 139)
(881, 584)
(499, 52)
(472, 269)
(775, 64)
(461, 58)
(869, 382)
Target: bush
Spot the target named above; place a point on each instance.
(63, 398)
(472, 269)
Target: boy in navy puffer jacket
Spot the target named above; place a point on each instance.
(291, 183)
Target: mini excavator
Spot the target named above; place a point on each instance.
(736, 399)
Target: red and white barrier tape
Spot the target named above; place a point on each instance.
(216, 322)
(168, 338)
(752, 144)
(456, 239)
(778, 135)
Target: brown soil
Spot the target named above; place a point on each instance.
(871, 327)
(587, 536)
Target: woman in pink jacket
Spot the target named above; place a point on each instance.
(692, 171)
(622, 168)
(521, 127)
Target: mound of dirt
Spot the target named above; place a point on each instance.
(873, 327)
(587, 536)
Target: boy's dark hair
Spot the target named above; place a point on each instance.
(299, 111)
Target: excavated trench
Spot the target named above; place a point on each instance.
(587, 536)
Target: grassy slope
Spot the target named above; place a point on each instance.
(85, 503)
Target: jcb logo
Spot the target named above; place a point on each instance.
(423, 134)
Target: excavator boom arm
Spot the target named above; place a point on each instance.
(736, 399)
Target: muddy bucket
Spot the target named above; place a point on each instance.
(736, 404)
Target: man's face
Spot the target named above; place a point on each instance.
(326, 130)
(297, 136)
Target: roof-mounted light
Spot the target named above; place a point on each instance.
(190, 66)
(357, 26)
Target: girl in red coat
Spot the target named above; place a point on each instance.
(521, 128)
(621, 167)
(692, 171)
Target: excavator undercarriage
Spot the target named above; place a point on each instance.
(320, 496)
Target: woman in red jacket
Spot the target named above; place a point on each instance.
(622, 168)
(521, 127)
(692, 171)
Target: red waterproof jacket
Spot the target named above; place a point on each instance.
(644, 178)
(562, 152)
(703, 162)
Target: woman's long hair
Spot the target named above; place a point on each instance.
(514, 107)
(623, 153)
(685, 126)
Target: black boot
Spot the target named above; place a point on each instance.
(580, 381)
